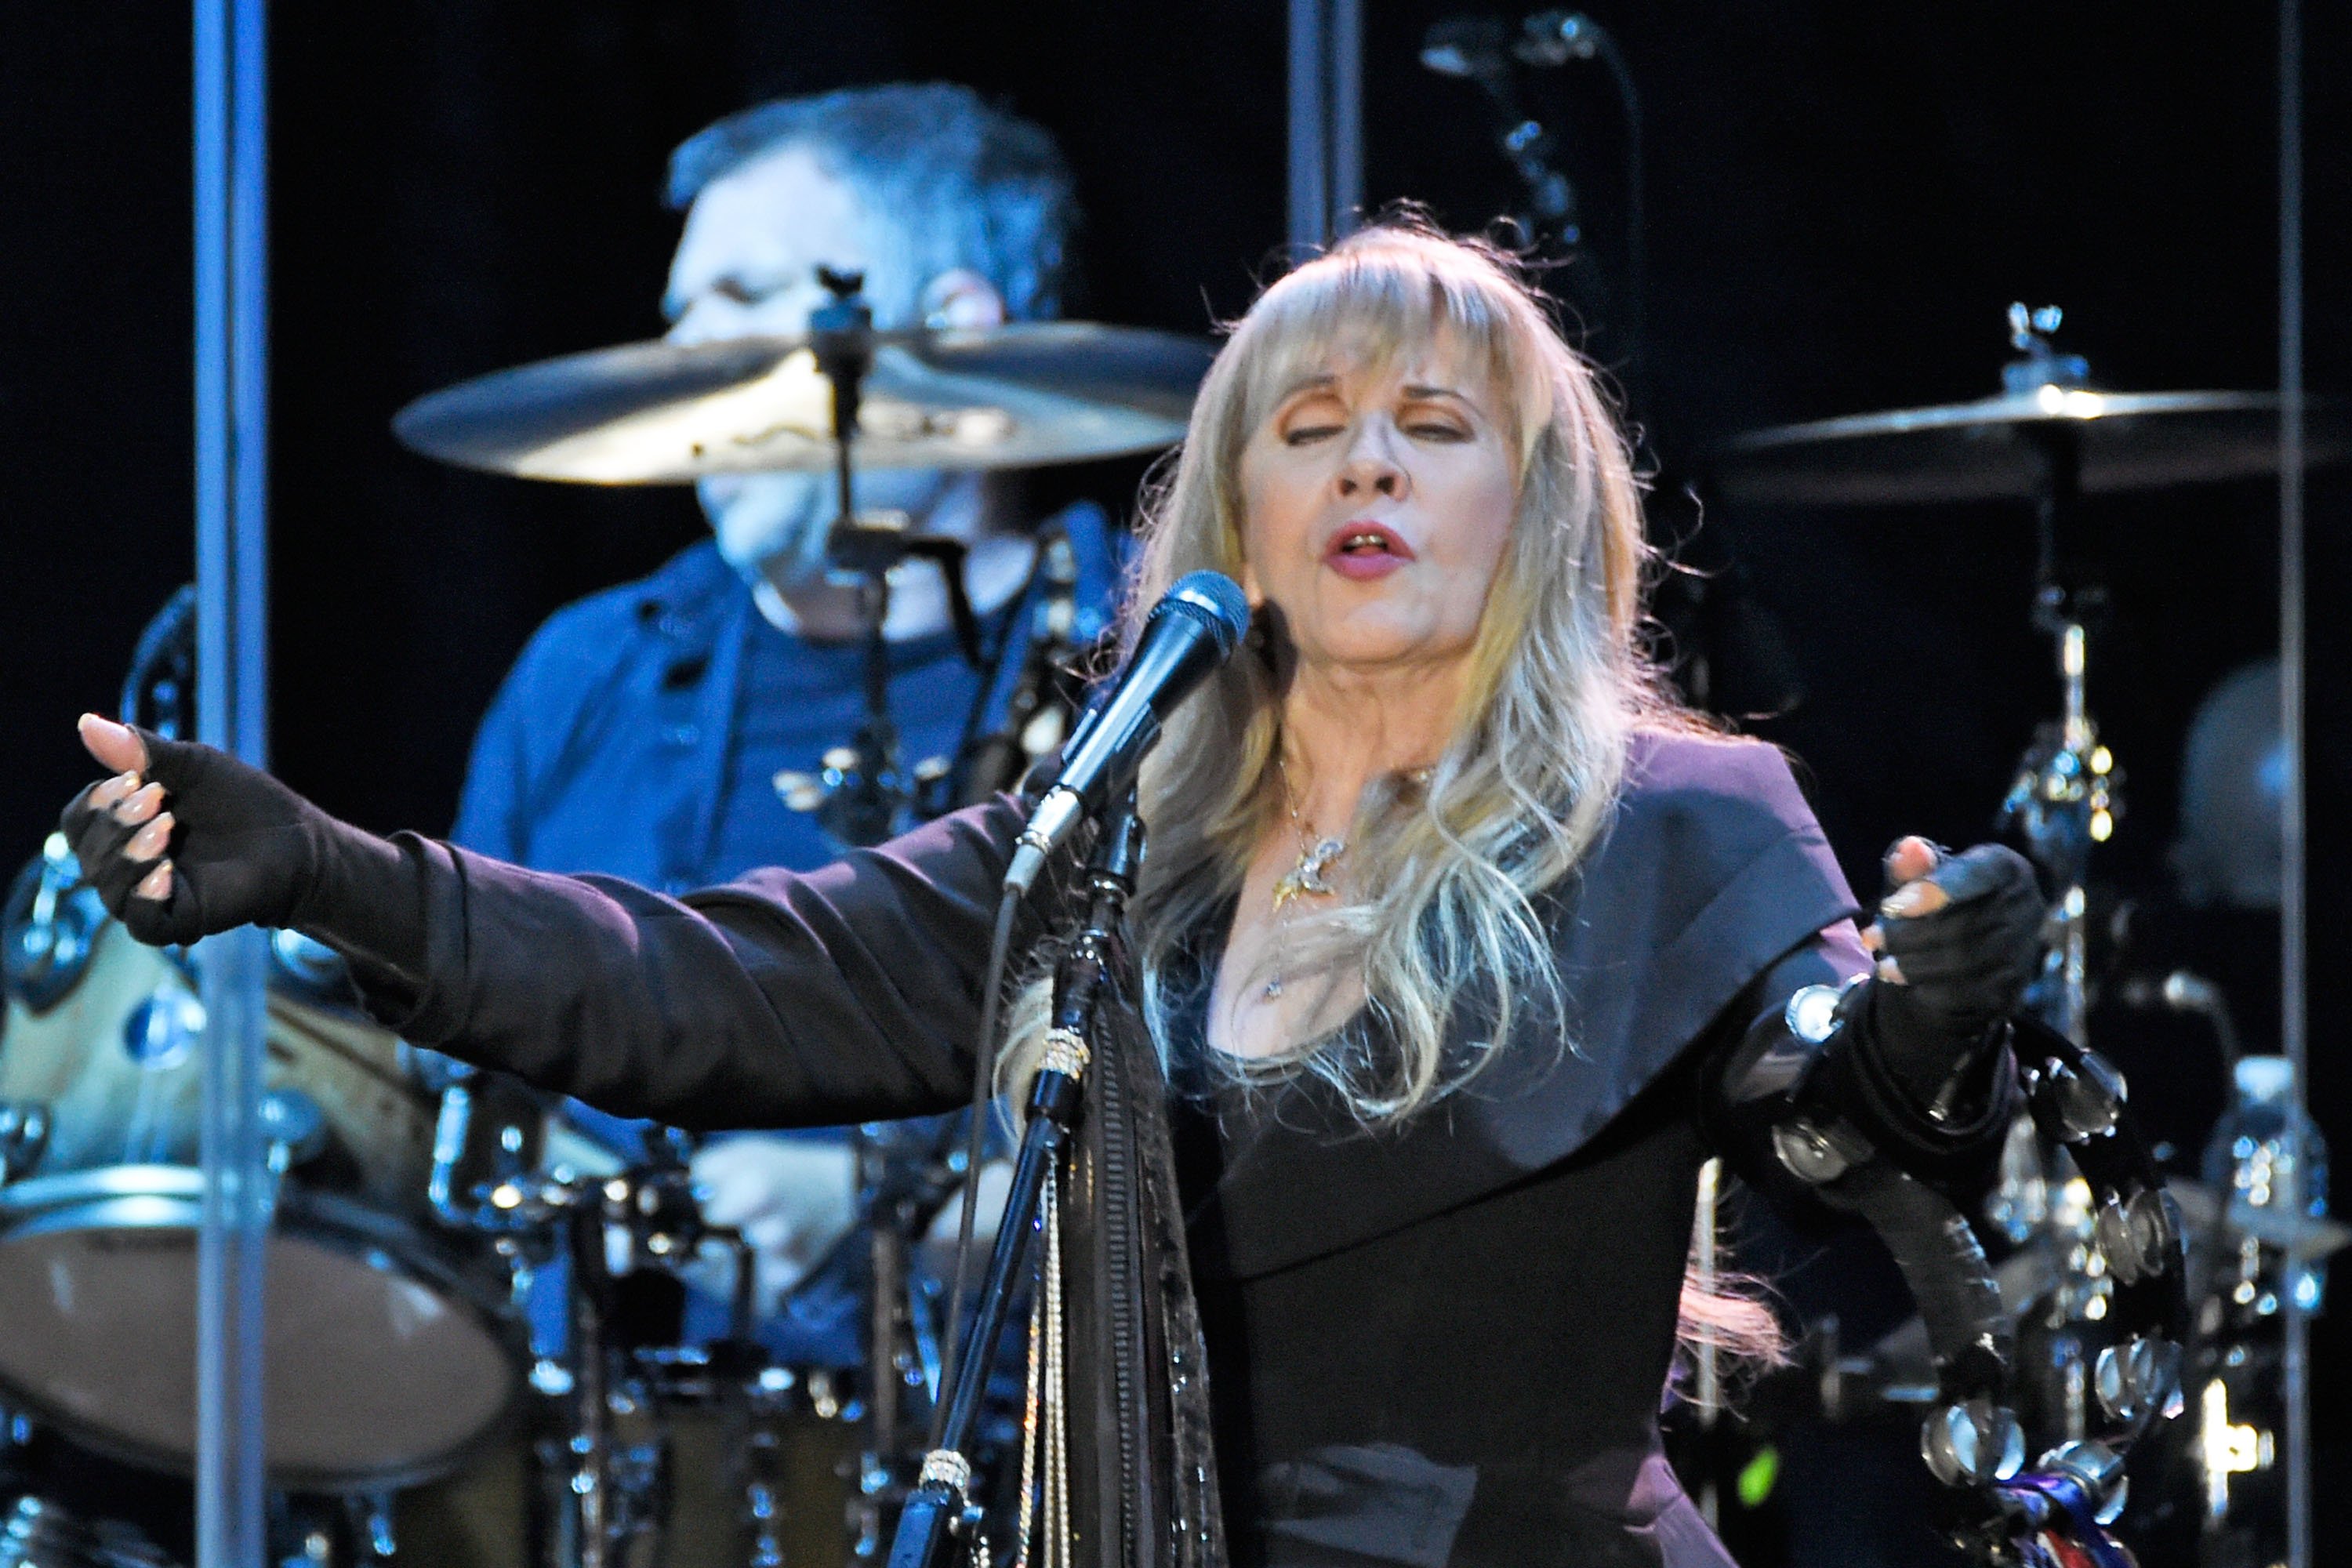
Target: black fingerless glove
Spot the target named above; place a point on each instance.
(246, 849)
(1921, 1069)
(1964, 968)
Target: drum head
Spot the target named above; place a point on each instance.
(371, 1376)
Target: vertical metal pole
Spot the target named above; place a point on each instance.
(1327, 119)
(1310, 185)
(2294, 1001)
(232, 389)
(1344, 75)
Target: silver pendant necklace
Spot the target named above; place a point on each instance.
(1308, 878)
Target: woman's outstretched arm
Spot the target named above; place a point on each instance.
(843, 995)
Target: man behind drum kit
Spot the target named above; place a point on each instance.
(651, 730)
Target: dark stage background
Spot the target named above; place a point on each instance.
(1842, 197)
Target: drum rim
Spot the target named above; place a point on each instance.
(168, 1197)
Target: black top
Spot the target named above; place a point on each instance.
(1480, 1386)
(1440, 1343)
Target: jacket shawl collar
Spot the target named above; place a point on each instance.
(1713, 867)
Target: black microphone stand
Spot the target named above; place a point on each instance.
(941, 1523)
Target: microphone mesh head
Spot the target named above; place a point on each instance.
(1217, 600)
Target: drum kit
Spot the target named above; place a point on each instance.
(2049, 438)
(415, 1204)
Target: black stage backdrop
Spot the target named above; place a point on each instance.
(1842, 197)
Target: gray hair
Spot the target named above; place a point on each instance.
(958, 184)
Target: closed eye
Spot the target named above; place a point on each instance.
(1301, 434)
(745, 294)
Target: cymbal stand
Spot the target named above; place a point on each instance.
(2063, 800)
(865, 796)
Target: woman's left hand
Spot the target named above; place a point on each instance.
(1959, 936)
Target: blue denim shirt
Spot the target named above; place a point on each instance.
(641, 732)
(640, 735)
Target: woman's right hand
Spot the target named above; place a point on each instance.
(182, 841)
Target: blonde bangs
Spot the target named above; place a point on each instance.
(1373, 306)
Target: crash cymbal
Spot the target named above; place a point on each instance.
(2000, 449)
(661, 413)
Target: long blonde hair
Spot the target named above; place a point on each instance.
(1443, 875)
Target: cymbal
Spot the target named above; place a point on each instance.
(1998, 449)
(661, 413)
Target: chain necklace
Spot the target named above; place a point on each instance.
(1306, 879)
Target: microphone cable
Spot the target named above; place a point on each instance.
(983, 1085)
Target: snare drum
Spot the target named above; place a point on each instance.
(391, 1347)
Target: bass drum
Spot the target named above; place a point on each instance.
(391, 1348)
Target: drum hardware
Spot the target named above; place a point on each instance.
(313, 967)
(47, 927)
(159, 690)
(869, 804)
(2185, 992)
(2050, 438)
(862, 794)
(625, 1237)
(1048, 690)
(23, 1137)
(840, 395)
(2063, 802)
(907, 1173)
(294, 1128)
(1992, 449)
(41, 1534)
(490, 1138)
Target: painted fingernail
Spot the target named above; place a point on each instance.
(150, 840)
(1914, 899)
(1891, 972)
(139, 805)
(110, 790)
(155, 884)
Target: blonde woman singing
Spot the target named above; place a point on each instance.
(1462, 946)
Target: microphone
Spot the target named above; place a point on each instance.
(1193, 628)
